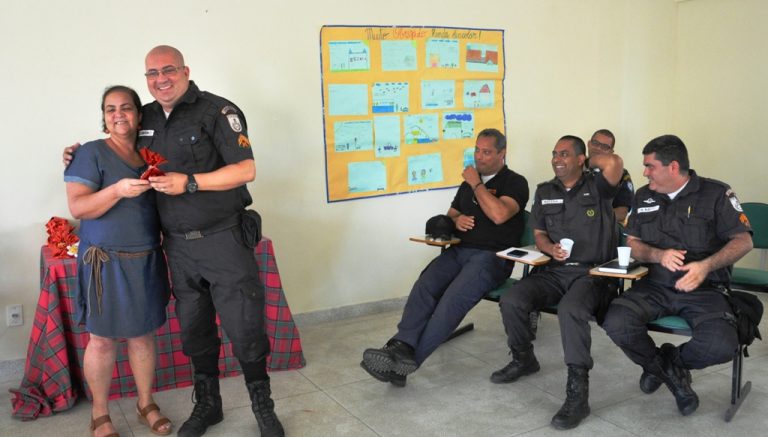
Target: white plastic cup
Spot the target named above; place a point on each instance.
(566, 244)
(624, 252)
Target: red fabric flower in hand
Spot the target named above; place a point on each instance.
(153, 159)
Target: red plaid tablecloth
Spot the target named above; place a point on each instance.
(53, 374)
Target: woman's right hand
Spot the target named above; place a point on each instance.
(128, 187)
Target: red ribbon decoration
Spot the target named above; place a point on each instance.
(153, 159)
(60, 236)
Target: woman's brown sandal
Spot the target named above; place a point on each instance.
(95, 423)
(155, 427)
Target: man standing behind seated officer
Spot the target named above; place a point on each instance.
(689, 230)
(486, 212)
(576, 204)
(603, 142)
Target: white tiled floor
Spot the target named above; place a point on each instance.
(451, 394)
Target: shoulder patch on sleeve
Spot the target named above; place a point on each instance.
(243, 142)
(734, 200)
(228, 110)
(234, 122)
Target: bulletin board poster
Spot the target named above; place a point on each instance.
(402, 105)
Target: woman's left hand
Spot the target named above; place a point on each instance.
(127, 187)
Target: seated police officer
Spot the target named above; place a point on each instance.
(689, 230)
(577, 205)
(486, 215)
(603, 141)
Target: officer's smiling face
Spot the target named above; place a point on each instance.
(167, 87)
(565, 162)
(660, 176)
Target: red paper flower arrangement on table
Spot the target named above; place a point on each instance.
(61, 240)
(153, 159)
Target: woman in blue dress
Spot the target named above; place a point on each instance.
(123, 280)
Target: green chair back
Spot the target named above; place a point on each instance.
(757, 213)
(527, 238)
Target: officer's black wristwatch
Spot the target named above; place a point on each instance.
(191, 183)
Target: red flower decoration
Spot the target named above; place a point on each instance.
(60, 236)
(153, 159)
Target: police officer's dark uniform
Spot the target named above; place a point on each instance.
(701, 219)
(626, 189)
(212, 270)
(584, 214)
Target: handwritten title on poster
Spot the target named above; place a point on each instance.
(402, 105)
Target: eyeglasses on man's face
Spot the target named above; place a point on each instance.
(168, 70)
(601, 146)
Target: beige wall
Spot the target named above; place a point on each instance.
(572, 67)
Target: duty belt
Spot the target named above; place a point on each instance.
(201, 233)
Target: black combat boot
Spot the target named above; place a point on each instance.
(207, 411)
(396, 356)
(523, 363)
(576, 406)
(668, 367)
(264, 409)
(649, 383)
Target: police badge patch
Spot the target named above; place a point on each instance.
(234, 122)
(734, 200)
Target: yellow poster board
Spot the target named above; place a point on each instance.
(402, 106)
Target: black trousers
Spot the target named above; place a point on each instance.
(713, 341)
(218, 273)
(579, 298)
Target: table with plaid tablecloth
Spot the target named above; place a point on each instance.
(53, 374)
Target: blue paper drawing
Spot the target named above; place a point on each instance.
(349, 56)
(469, 157)
(458, 125)
(438, 94)
(348, 99)
(366, 176)
(479, 93)
(389, 97)
(421, 128)
(386, 130)
(425, 169)
(442, 53)
(353, 136)
(398, 55)
(482, 57)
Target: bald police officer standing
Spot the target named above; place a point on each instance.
(203, 195)
(576, 205)
(689, 230)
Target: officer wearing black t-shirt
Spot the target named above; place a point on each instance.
(486, 214)
(689, 230)
(201, 198)
(575, 205)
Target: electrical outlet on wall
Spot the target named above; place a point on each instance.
(14, 315)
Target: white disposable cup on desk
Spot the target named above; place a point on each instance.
(566, 244)
(624, 253)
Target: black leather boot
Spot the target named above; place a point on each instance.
(576, 406)
(523, 363)
(668, 367)
(396, 356)
(649, 383)
(264, 409)
(207, 411)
